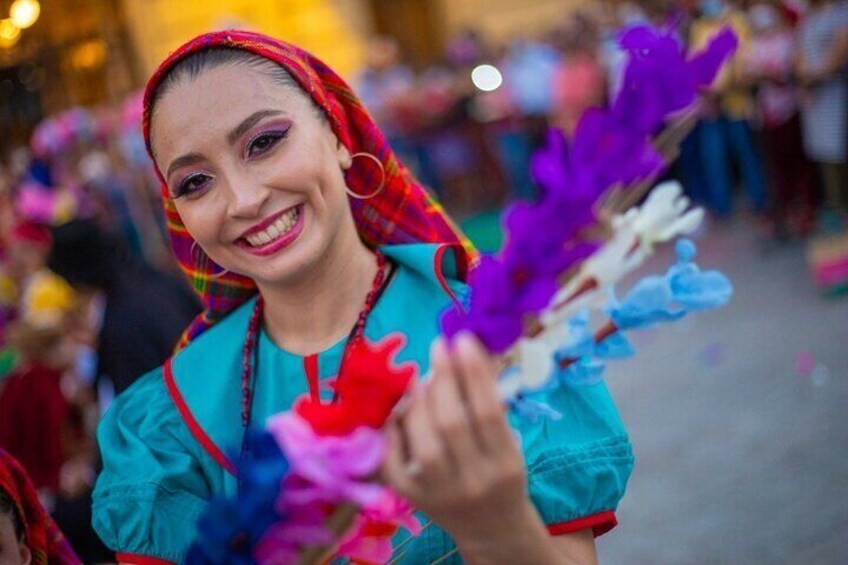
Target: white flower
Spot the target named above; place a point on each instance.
(533, 364)
(663, 216)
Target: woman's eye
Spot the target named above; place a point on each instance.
(264, 142)
(192, 184)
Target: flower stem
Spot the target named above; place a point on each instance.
(339, 522)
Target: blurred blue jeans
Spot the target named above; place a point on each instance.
(724, 141)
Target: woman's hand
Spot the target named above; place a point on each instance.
(455, 457)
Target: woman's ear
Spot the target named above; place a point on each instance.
(343, 154)
(26, 554)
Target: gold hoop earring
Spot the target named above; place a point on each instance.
(206, 259)
(380, 188)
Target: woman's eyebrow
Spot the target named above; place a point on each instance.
(248, 123)
(187, 159)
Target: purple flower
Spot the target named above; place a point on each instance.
(608, 151)
(493, 315)
(705, 65)
(659, 80)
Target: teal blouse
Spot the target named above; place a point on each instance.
(164, 440)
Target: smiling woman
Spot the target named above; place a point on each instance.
(299, 250)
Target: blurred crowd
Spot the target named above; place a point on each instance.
(89, 299)
(773, 126)
(89, 294)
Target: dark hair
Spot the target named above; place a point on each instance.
(196, 63)
(8, 508)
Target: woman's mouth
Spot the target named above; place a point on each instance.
(280, 233)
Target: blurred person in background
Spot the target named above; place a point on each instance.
(579, 82)
(140, 313)
(27, 533)
(386, 87)
(726, 139)
(48, 409)
(37, 424)
(769, 64)
(823, 71)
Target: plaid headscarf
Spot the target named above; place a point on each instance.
(402, 213)
(43, 538)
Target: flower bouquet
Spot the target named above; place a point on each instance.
(545, 305)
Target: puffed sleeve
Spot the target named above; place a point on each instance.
(577, 466)
(152, 488)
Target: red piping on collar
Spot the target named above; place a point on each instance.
(194, 427)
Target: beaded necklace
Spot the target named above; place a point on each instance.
(250, 343)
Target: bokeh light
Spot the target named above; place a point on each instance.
(24, 13)
(486, 78)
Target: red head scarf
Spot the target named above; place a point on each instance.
(43, 538)
(402, 213)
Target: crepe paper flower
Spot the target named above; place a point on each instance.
(658, 79)
(492, 315)
(586, 371)
(706, 63)
(666, 214)
(616, 346)
(335, 468)
(648, 303)
(693, 289)
(532, 411)
(229, 528)
(607, 151)
(284, 540)
(370, 539)
(367, 389)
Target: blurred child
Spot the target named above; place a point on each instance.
(27, 533)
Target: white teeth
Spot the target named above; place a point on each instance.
(275, 230)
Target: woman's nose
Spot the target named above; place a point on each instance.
(245, 198)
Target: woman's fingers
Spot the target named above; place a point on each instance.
(396, 470)
(449, 408)
(428, 457)
(476, 372)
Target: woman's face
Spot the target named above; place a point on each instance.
(12, 551)
(255, 170)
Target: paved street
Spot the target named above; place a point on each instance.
(739, 420)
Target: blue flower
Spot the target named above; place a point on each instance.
(648, 303)
(693, 289)
(615, 346)
(585, 371)
(531, 411)
(229, 528)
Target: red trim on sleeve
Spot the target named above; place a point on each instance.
(310, 367)
(601, 523)
(194, 427)
(440, 252)
(141, 559)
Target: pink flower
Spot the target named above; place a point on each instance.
(370, 538)
(335, 468)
